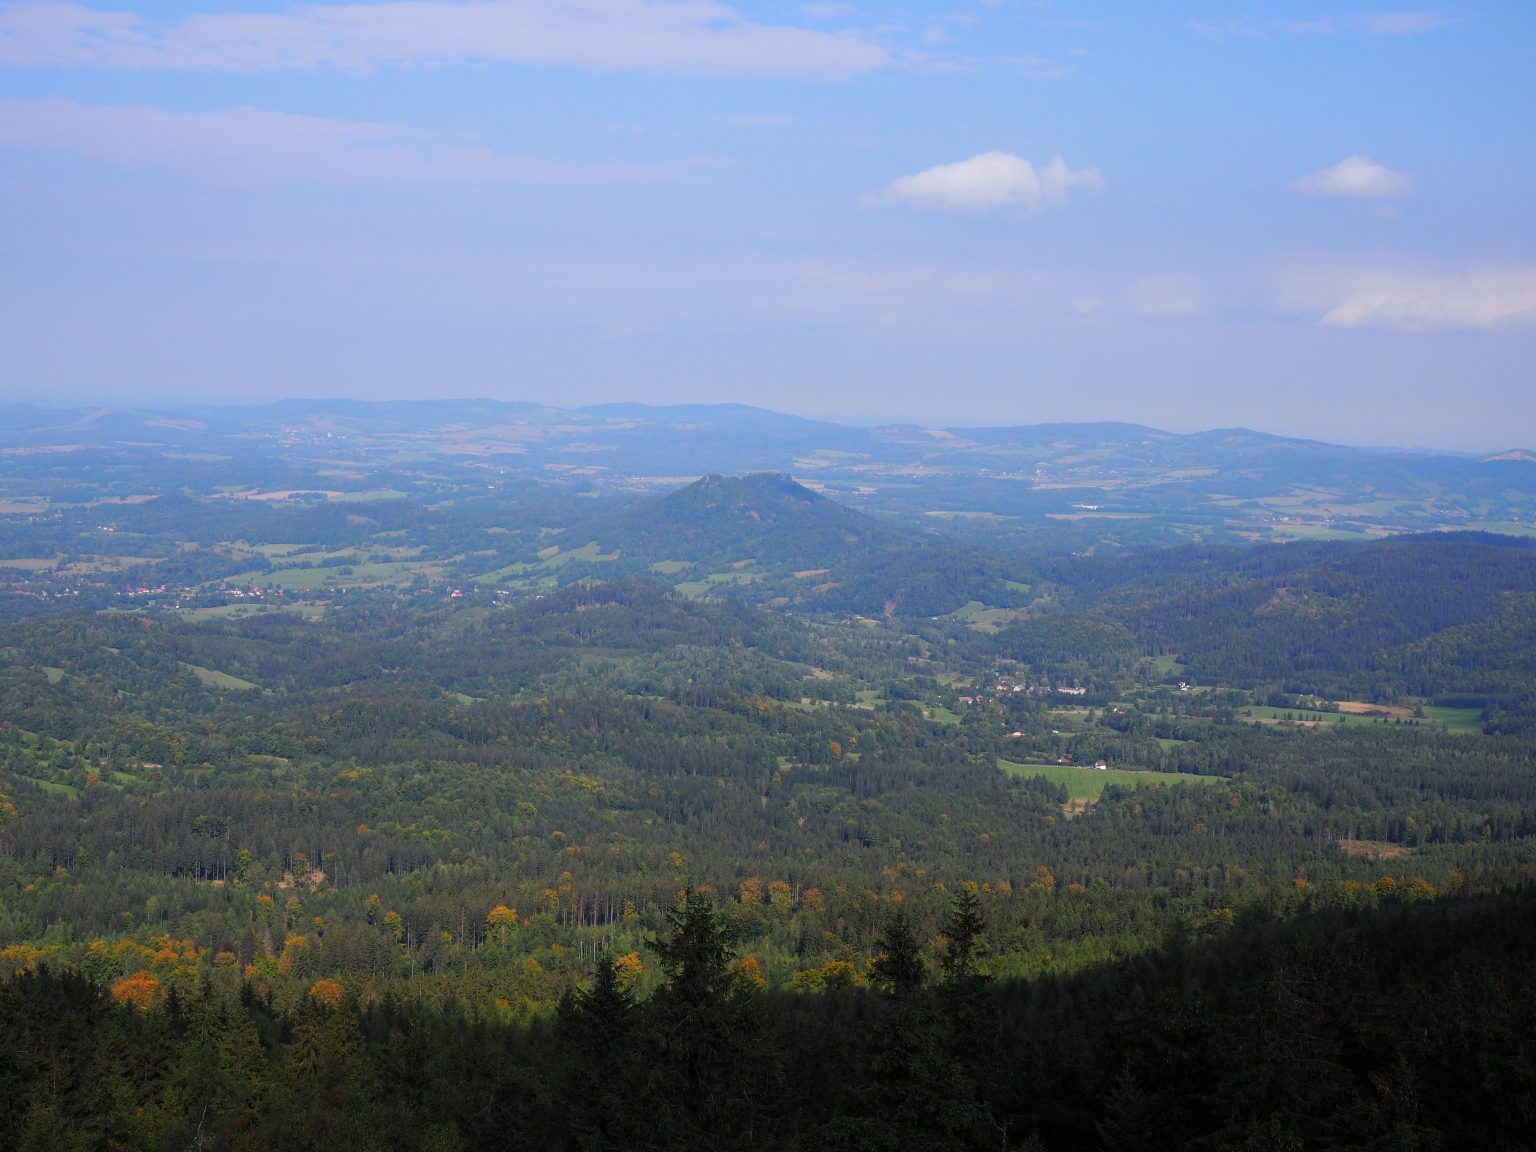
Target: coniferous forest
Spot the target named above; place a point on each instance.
(399, 808)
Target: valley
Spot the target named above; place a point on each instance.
(352, 774)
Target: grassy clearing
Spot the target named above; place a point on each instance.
(551, 559)
(391, 573)
(1315, 532)
(589, 553)
(1463, 721)
(670, 567)
(369, 495)
(1507, 528)
(54, 674)
(693, 589)
(1265, 712)
(52, 786)
(296, 579)
(1089, 783)
(984, 617)
(212, 678)
(941, 714)
(238, 611)
(1167, 665)
(33, 563)
(1374, 849)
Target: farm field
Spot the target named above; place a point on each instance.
(1264, 712)
(1466, 721)
(1089, 783)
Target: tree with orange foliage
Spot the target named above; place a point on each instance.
(751, 971)
(628, 968)
(500, 923)
(141, 990)
(327, 992)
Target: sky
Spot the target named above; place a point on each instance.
(1310, 219)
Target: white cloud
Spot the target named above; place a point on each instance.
(252, 146)
(1413, 302)
(1355, 176)
(989, 181)
(699, 37)
(1406, 297)
(1403, 23)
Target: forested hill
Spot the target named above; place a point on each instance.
(766, 538)
(1441, 615)
(764, 517)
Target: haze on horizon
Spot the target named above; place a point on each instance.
(1191, 217)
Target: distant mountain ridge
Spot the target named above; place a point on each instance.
(97, 424)
(1084, 486)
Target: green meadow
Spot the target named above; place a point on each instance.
(1089, 783)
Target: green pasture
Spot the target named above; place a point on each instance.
(293, 579)
(1265, 712)
(236, 611)
(551, 559)
(1508, 528)
(984, 617)
(367, 496)
(1465, 721)
(1089, 783)
(52, 786)
(1316, 532)
(693, 589)
(212, 678)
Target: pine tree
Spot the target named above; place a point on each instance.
(899, 967)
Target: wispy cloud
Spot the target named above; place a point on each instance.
(989, 181)
(1374, 23)
(252, 146)
(1410, 299)
(1471, 300)
(1403, 23)
(826, 10)
(700, 37)
(1358, 177)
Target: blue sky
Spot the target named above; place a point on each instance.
(1309, 220)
